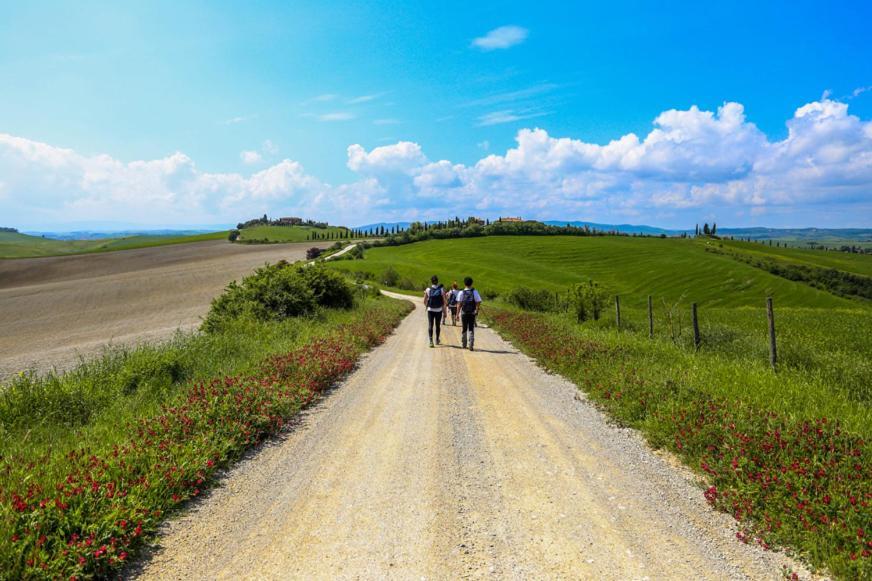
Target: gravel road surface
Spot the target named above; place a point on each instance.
(52, 310)
(443, 464)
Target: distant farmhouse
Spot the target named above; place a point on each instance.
(510, 219)
(292, 221)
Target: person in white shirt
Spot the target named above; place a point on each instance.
(468, 304)
(434, 301)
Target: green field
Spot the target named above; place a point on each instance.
(821, 350)
(632, 267)
(16, 245)
(277, 234)
(856, 263)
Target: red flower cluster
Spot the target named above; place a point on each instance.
(93, 518)
(802, 483)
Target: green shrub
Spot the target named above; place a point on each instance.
(489, 294)
(279, 291)
(355, 253)
(329, 288)
(587, 301)
(362, 275)
(408, 284)
(390, 277)
(531, 299)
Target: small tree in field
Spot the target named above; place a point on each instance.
(588, 300)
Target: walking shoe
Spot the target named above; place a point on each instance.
(438, 342)
(431, 342)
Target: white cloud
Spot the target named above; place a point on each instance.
(55, 185)
(507, 116)
(365, 98)
(502, 37)
(513, 96)
(692, 162)
(402, 157)
(336, 116)
(690, 159)
(250, 157)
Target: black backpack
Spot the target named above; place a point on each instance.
(468, 305)
(435, 301)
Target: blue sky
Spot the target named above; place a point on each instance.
(184, 112)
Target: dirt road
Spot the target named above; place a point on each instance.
(54, 309)
(444, 464)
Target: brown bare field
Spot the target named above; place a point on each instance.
(54, 310)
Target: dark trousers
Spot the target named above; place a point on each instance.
(467, 323)
(434, 317)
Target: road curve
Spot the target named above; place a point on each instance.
(442, 463)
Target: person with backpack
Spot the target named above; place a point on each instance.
(434, 301)
(468, 304)
(452, 304)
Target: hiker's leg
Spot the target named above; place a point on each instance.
(464, 325)
(430, 324)
(471, 331)
(438, 319)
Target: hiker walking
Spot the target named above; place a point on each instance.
(452, 303)
(434, 300)
(468, 302)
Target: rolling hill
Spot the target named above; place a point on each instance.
(17, 245)
(632, 267)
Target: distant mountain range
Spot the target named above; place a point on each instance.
(623, 228)
(100, 235)
(809, 234)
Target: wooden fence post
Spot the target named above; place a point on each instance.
(696, 340)
(618, 310)
(650, 317)
(773, 354)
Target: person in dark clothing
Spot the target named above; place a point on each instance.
(468, 304)
(434, 301)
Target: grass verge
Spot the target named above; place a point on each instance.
(791, 477)
(94, 460)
